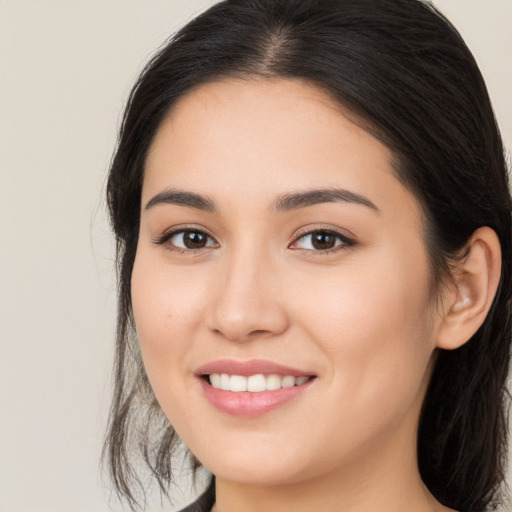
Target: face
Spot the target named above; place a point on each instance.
(281, 285)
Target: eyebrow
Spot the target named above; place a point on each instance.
(182, 198)
(298, 200)
(285, 202)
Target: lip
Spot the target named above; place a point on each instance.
(247, 404)
(251, 367)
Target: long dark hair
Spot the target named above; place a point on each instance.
(407, 75)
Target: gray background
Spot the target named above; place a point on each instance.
(66, 68)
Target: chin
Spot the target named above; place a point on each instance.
(256, 464)
(257, 474)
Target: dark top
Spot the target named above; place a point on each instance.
(205, 502)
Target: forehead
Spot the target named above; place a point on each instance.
(244, 137)
(265, 112)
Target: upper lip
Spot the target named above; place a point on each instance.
(251, 367)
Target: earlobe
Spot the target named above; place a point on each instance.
(476, 280)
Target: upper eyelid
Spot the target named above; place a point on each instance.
(336, 231)
(328, 231)
(168, 234)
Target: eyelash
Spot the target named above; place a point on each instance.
(344, 241)
(166, 237)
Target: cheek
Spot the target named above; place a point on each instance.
(166, 308)
(373, 323)
(162, 296)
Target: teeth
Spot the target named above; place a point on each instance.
(215, 380)
(288, 382)
(224, 382)
(254, 383)
(237, 383)
(273, 382)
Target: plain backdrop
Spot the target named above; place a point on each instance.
(66, 68)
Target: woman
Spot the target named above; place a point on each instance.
(313, 219)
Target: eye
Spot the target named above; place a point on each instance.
(187, 239)
(322, 240)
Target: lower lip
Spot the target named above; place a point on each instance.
(249, 404)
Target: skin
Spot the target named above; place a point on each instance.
(361, 317)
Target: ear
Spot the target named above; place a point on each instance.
(465, 305)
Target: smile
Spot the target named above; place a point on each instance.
(252, 388)
(255, 383)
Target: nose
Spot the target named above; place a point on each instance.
(245, 304)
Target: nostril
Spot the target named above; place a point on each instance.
(235, 334)
(258, 332)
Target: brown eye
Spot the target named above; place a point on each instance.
(194, 239)
(189, 240)
(322, 240)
